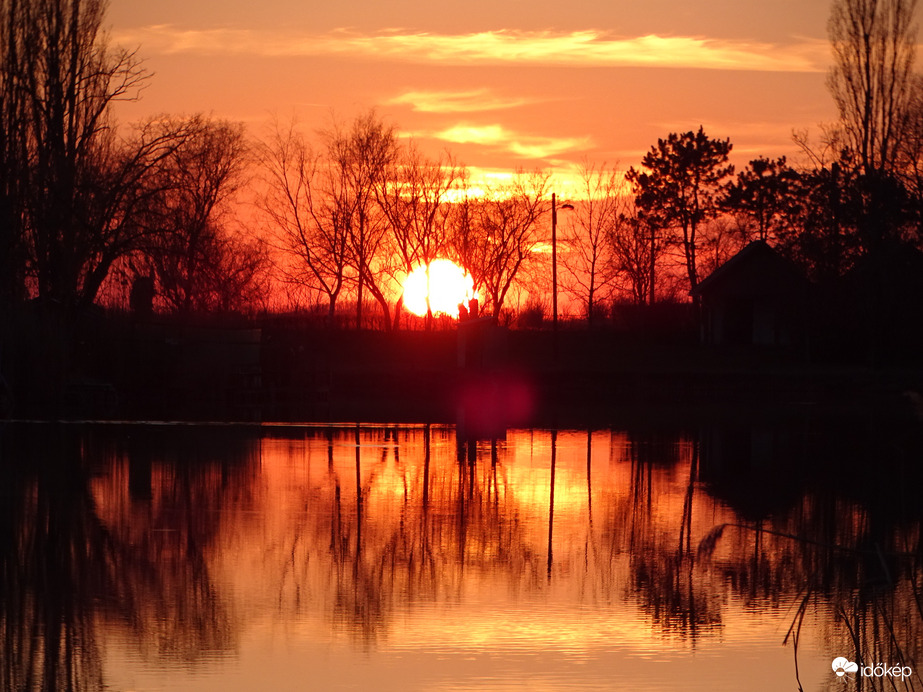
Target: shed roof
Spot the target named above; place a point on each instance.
(756, 270)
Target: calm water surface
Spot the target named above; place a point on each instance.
(401, 558)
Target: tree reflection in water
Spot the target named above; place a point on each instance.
(84, 542)
(408, 530)
(181, 542)
(429, 526)
(844, 534)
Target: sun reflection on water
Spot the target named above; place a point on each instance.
(344, 554)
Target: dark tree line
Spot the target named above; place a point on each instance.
(85, 200)
(362, 209)
(858, 190)
(80, 196)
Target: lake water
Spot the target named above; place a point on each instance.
(721, 557)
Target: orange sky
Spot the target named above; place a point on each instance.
(502, 83)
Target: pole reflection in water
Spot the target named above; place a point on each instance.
(145, 558)
(554, 450)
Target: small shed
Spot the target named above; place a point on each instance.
(756, 298)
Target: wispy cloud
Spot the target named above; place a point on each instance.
(522, 145)
(577, 48)
(475, 100)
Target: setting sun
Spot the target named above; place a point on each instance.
(446, 284)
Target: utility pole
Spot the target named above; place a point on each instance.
(554, 264)
(554, 259)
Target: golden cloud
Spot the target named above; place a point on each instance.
(524, 146)
(576, 48)
(475, 100)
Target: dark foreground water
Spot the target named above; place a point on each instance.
(724, 557)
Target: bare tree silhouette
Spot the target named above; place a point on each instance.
(874, 44)
(590, 260)
(309, 211)
(638, 250)
(415, 196)
(496, 236)
(359, 156)
(910, 157)
(198, 261)
(80, 183)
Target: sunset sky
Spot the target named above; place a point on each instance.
(501, 83)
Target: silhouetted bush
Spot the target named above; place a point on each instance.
(532, 315)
